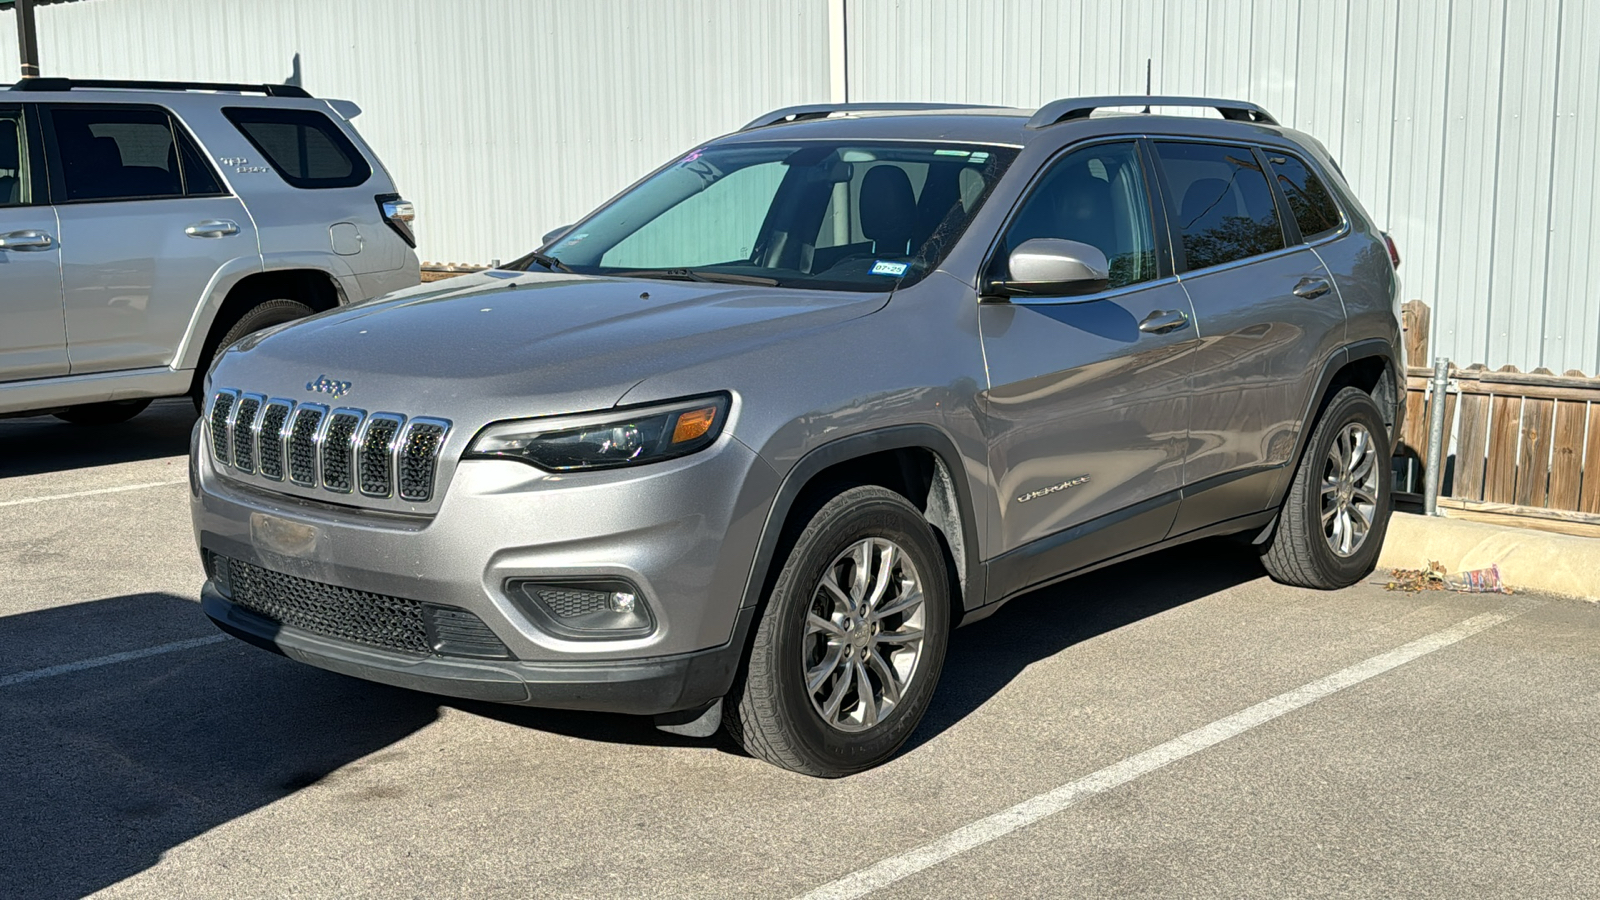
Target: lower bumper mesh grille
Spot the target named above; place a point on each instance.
(361, 617)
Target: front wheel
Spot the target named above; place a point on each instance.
(1332, 524)
(848, 651)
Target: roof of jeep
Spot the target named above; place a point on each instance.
(992, 125)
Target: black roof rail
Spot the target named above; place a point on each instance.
(1081, 107)
(824, 110)
(67, 84)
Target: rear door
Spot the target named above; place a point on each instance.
(1087, 411)
(32, 336)
(145, 224)
(1268, 318)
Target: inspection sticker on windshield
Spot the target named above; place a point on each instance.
(884, 267)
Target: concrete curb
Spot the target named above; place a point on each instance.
(1529, 560)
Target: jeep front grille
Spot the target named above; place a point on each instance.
(343, 450)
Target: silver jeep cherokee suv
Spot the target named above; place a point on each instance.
(744, 445)
(143, 225)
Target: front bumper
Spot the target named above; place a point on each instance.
(643, 687)
(683, 531)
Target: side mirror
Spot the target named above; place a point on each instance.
(550, 236)
(1053, 267)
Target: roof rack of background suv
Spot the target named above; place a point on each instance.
(67, 84)
(1081, 107)
(824, 110)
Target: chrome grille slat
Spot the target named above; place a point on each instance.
(221, 413)
(384, 455)
(375, 469)
(417, 458)
(338, 449)
(269, 445)
(242, 425)
(305, 430)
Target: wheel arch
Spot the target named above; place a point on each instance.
(316, 288)
(919, 462)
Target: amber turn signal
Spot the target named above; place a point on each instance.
(694, 424)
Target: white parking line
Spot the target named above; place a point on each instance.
(109, 490)
(97, 662)
(981, 832)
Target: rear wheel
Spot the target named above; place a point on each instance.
(263, 315)
(114, 412)
(848, 651)
(1332, 524)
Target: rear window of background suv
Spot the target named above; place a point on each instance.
(304, 146)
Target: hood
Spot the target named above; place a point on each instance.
(500, 345)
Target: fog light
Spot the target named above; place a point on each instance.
(598, 610)
(217, 570)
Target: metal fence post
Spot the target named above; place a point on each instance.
(1433, 475)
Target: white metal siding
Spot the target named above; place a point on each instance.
(1468, 127)
(501, 119)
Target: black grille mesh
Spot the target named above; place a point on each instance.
(244, 434)
(377, 462)
(272, 440)
(302, 447)
(392, 623)
(417, 457)
(567, 604)
(336, 451)
(220, 407)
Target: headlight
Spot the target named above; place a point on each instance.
(607, 439)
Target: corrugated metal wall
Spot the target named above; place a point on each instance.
(502, 119)
(1468, 127)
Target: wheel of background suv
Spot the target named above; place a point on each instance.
(847, 654)
(262, 315)
(114, 412)
(1332, 524)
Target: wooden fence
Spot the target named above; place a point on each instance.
(1522, 440)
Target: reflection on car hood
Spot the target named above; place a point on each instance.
(525, 344)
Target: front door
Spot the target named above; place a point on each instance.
(1269, 316)
(145, 224)
(32, 336)
(1087, 412)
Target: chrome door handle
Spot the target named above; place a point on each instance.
(1164, 320)
(26, 240)
(1311, 288)
(212, 228)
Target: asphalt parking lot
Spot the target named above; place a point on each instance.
(1174, 727)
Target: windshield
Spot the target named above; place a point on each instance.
(858, 216)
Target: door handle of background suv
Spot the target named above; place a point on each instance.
(212, 228)
(1163, 320)
(26, 240)
(1310, 288)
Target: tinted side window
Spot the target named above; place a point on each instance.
(199, 179)
(115, 153)
(1223, 202)
(1313, 208)
(1095, 196)
(13, 159)
(305, 147)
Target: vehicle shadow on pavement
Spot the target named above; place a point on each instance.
(104, 770)
(40, 444)
(985, 657)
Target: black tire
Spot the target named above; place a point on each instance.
(770, 713)
(263, 315)
(1301, 552)
(114, 412)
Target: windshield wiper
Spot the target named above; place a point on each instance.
(701, 275)
(549, 262)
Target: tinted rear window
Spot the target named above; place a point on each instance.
(304, 146)
(1224, 204)
(1313, 207)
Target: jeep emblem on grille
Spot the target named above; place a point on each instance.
(326, 385)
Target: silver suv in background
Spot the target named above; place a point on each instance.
(744, 445)
(145, 225)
